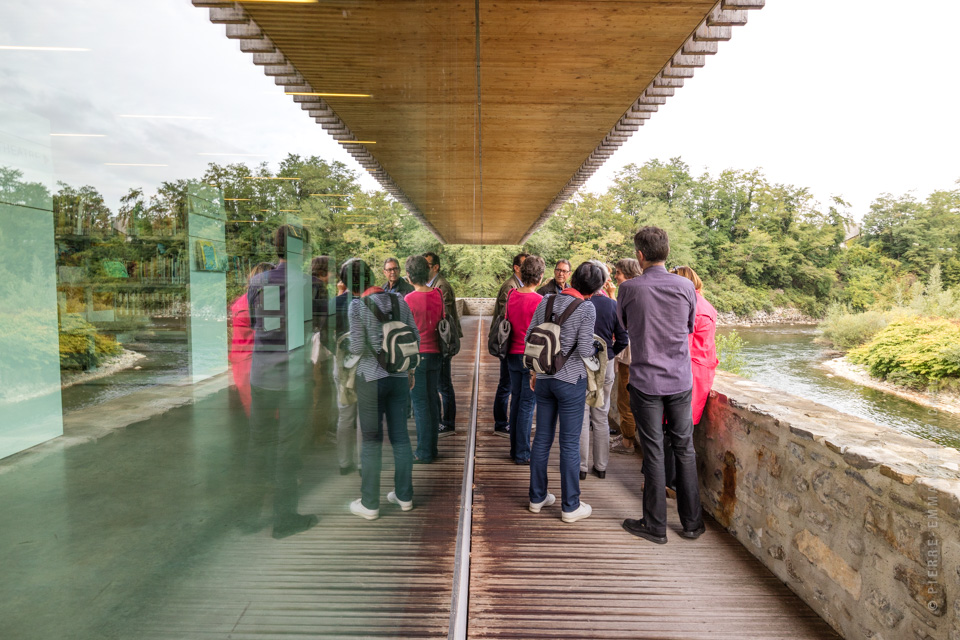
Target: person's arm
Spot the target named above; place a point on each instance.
(357, 330)
(692, 316)
(537, 318)
(585, 346)
(623, 302)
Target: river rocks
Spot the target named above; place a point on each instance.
(779, 315)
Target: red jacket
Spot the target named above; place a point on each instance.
(703, 354)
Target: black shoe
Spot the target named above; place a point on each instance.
(583, 475)
(639, 529)
(600, 474)
(419, 460)
(693, 534)
(345, 471)
(291, 525)
(522, 461)
(503, 432)
(445, 431)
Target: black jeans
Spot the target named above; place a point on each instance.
(649, 412)
(501, 401)
(448, 397)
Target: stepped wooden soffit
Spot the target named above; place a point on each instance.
(481, 132)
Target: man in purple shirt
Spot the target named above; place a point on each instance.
(658, 310)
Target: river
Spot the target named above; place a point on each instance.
(786, 357)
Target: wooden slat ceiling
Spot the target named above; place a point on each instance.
(482, 153)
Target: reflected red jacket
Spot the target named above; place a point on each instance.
(703, 354)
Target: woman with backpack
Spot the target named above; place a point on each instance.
(560, 336)
(521, 304)
(426, 304)
(384, 334)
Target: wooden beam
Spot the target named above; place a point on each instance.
(706, 33)
(661, 81)
(659, 91)
(681, 61)
(672, 71)
(256, 45)
(696, 47)
(246, 30)
(742, 5)
(720, 18)
(228, 15)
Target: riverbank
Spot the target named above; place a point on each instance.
(124, 360)
(857, 373)
(779, 315)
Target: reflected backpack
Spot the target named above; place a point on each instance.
(498, 340)
(449, 337)
(541, 352)
(400, 349)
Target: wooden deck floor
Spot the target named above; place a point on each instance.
(533, 576)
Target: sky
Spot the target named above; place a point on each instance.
(849, 98)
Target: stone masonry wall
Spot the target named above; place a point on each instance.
(862, 522)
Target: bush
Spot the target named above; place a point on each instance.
(915, 351)
(844, 330)
(81, 347)
(730, 353)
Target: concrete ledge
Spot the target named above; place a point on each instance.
(476, 306)
(859, 520)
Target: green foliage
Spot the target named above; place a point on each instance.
(914, 351)
(844, 330)
(730, 353)
(81, 347)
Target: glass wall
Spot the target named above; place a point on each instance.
(175, 459)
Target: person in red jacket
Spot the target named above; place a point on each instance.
(241, 341)
(703, 362)
(703, 346)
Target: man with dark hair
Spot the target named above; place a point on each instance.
(558, 282)
(501, 402)
(448, 399)
(658, 310)
(395, 284)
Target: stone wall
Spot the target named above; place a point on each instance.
(861, 521)
(475, 306)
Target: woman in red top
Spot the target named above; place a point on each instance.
(426, 304)
(521, 303)
(241, 342)
(703, 346)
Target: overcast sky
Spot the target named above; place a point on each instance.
(851, 97)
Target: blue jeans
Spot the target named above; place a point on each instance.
(566, 401)
(448, 397)
(426, 405)
(522, 400)
(501, 400)
(376, 400)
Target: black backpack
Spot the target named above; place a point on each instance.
(449, 337)
(541, 352)
(498, 340)
(399, 350)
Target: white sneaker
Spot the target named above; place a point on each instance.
(581, 512)
(357, 509)
(536, 506)
(404, 505)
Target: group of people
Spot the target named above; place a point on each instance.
(632, 329)
(642, 330)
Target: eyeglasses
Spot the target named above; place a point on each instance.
(391, 268)
(561, 271)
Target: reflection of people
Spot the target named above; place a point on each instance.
(561, 396)
(324, 406)
(394, 283)
(353, 282)
(501, 400)
(380, 395)
(241, 341)
(521, 304)
(448, 397)
(658, 310)
(280, 396)
(624, 270)
(426, 304)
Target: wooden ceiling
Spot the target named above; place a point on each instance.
(481, 131)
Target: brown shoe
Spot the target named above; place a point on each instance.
(620, 448)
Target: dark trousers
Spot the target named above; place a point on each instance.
(501, 401)
(278, 419)
(448, 397)
(381, 399)
(649, 412)
(426, 405)
(522, 401)
(564, 401)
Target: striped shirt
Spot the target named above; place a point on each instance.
(578, 329)
(366, 330)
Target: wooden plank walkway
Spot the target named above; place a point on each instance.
(346, 577)
(534, 576)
